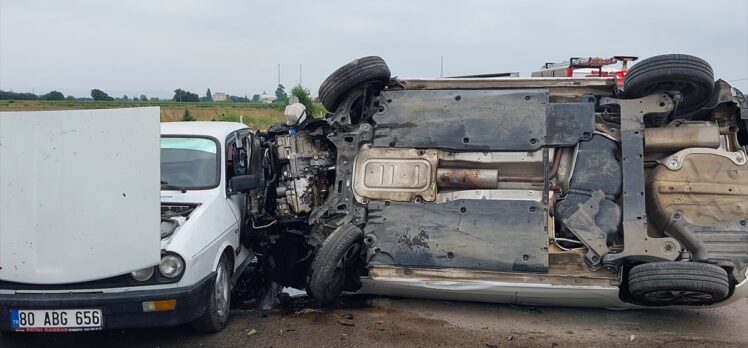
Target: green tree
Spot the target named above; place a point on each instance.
(305, 98)
(281, 94)
(54, 95)
(98, 94)
(256, 98)
(208, 96)
(181, 95)
(186, 116)
(143, 97)
(10, 95)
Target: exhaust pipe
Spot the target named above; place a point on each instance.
(667, 139)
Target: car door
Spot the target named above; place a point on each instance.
(238, 152)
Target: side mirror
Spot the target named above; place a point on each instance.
(243, 183)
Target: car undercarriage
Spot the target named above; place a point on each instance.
(510, 189)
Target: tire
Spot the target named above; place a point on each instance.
(332, 264)
(217, 314)
(678, 283)
(691, 76)
(366, 69)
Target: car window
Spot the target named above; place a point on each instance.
(189, 162)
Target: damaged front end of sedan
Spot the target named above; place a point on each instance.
(559, 191)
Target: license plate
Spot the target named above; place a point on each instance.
(56, 320)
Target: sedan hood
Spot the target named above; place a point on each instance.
(79, 195)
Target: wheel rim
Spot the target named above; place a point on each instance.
(222, 290)
(667, 296)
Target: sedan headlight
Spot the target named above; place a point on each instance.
(168, 226)
(143, 274)
(172, 266)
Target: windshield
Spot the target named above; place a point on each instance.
(189, 163)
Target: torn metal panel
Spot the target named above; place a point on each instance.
(487, 120)
(474, 234)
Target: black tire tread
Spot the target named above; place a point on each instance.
(328, 255)
(668, 61)
(671, 67)
(679, 276)
(334, 87)
(717, 290)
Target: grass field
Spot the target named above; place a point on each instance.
(255, 115)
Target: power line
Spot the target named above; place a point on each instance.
(743, 79)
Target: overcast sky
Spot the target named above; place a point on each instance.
(155, 46)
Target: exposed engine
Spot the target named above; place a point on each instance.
(304, 184)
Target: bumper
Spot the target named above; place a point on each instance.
(119, 310)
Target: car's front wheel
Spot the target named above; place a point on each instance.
(217, 313)
(334, 263)
(359, 71)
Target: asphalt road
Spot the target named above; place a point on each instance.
(384, 322)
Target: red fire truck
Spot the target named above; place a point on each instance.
(588, 67)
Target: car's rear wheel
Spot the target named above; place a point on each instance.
(691, 76)
(357, 72)
(678, 283)
(334, 262)
(217, 313)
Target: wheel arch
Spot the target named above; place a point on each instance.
(228, 250)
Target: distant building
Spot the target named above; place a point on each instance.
(267, 98)
(219, 96)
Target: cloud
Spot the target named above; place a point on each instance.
(154, 47)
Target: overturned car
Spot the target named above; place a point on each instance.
(564, 191)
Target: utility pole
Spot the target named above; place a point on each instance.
(299, 74)
(441, 68)
(279, 74)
